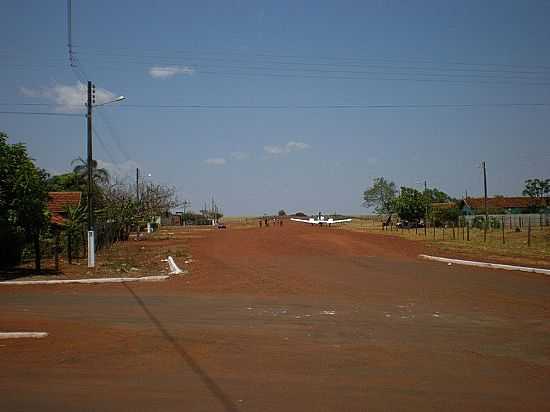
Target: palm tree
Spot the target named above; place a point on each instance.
(99, 175)
(76, 217)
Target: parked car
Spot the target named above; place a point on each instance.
(405, 224)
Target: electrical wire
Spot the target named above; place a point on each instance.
(302, 106)
(42, 113)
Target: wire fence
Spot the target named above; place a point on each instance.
(531, 230)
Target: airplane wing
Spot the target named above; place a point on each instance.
(341, 221)
(300, 220)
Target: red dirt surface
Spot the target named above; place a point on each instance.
(284, 319)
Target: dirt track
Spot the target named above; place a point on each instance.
(285, 319)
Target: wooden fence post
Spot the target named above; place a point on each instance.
(454, 231)
(529, 232)
(56, 250)
(503, 241)
(468, 231)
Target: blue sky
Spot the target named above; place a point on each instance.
(282, 73)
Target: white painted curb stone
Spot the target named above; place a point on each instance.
(174, 269)
(18, 335)
(85, 281)
(486, 265)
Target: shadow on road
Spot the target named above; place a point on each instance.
(207, 380)
(19, 272)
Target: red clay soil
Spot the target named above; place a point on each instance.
(284, 319)
(256, 255)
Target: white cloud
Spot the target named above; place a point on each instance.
(292, 146)
(287, 148)
(29, 92)
(274, 149)
(164, 72)
(68, 98)
(215, 161)
(239, 155)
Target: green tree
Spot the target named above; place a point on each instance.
(23, 200)
(99, 175)
(538, 189)
(442, 216)
(282, 212)
(67, 182)
(380, 196)
(435, 195)
(410, 204)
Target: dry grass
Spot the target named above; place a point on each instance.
(131, 258)
(514, 249)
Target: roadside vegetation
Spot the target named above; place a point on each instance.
(29, 233)
(441, 222)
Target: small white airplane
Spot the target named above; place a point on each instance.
(321, 220)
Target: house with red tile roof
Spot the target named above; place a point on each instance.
(58, 203)
(514, 204)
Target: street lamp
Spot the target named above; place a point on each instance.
(118, 99)
(91, 233)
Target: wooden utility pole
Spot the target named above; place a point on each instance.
(137, 184)
(90, 156)
(426, 213)
(91, 234)
(503, 241)
(485, 201)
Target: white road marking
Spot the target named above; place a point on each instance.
(85, 281)
(18, 335)
(486, 265)
(328, 312)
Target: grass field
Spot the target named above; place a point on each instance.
(514, 249)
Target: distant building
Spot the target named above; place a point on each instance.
(502, 204)
(58, 203)
(445, 205)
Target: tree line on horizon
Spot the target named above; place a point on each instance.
(413, 205)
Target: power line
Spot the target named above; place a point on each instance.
(360, 59)
(42, 113)
(111, 130)
(304, 66)
(333, 106)
(278, 68)
(104, 146)
(219, 65)
(296, 106)
(192, 59)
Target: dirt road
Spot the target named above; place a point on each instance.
(296, 318)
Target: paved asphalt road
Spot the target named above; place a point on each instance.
(284, 319)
